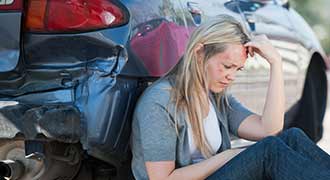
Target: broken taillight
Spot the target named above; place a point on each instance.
(11, 5)
(74, 15)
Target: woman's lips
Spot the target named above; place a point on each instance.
(224, 84)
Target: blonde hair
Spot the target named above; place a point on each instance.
(190, 91)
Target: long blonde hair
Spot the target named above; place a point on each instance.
(190, 91)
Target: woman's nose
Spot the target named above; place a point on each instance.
(230, 76)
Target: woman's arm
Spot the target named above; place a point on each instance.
(271, 122)
(165, 170)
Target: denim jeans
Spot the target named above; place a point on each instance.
(288, 156)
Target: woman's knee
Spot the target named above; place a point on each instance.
(294, 132)
(271, 141)
(275, 150)
(272, 145)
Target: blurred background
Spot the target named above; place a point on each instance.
(317, 14)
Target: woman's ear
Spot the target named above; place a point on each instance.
(199, 52)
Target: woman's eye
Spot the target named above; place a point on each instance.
(227, 67)
(240, 69)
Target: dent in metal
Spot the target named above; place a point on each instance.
(54, 121)
(10, 38)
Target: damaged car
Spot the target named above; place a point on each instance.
(71, 72)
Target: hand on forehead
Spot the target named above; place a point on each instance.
(236, 54)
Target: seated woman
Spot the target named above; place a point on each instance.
(182, 122)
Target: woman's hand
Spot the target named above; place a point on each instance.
(260, 44)
(166, 169)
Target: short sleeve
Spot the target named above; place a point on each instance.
(236, 113)
(157, 133)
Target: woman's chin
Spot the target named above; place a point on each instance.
(217, 89)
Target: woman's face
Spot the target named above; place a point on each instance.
(222, 67)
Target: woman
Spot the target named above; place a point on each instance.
(182, 122)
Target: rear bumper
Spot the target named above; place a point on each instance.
(56, 122)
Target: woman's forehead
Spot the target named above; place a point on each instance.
(234, 53)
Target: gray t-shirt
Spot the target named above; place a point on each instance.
(154, 136)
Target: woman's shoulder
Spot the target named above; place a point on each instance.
(154, 105)
(157, 93)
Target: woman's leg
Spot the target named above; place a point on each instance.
(296, 139)
(272, 159)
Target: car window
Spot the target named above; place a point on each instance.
(150, 15)
(197, 11)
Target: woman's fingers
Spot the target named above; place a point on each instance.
(251, 44)
(261, 45)
(251, 52)
(252, 47)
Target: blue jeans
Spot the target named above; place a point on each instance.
(291, 155)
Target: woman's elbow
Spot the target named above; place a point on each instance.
(274, 131)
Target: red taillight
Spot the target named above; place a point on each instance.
(73, 15)
(11, 4)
